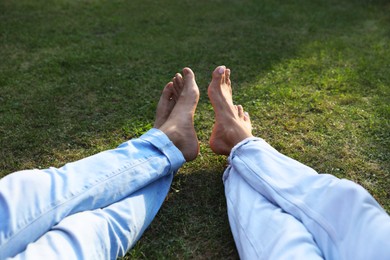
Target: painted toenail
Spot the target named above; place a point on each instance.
(221, 70)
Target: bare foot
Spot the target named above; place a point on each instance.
(232, 124)
(179, 124)
(168, 99)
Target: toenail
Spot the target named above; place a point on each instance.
(221, 70)
(246, 113)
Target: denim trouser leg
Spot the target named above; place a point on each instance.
(262, 230)
(34, 202)
(344, 220)
(102, 233)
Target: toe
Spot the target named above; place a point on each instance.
(219, 74)
(240, 111)
(179, 83)
(227, 77)
(246, 116)
(168, 91)
(189, 76)
(188, 72)
(175, 91)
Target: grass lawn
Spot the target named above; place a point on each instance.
(81, 76)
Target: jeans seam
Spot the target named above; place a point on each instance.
(297, 204)
(242, 228)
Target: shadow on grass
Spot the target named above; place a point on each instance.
(192, 223)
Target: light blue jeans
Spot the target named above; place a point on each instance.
(281, 209)
(98, 207)
(95, 208)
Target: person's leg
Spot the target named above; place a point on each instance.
(260, 229)
(32, 202)
(105, 233)
(344, 219)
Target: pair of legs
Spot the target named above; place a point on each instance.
(98, 207)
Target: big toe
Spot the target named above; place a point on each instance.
(191, 89)
(189, 76)
(218, 74)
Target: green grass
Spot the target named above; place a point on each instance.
(81, 76)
